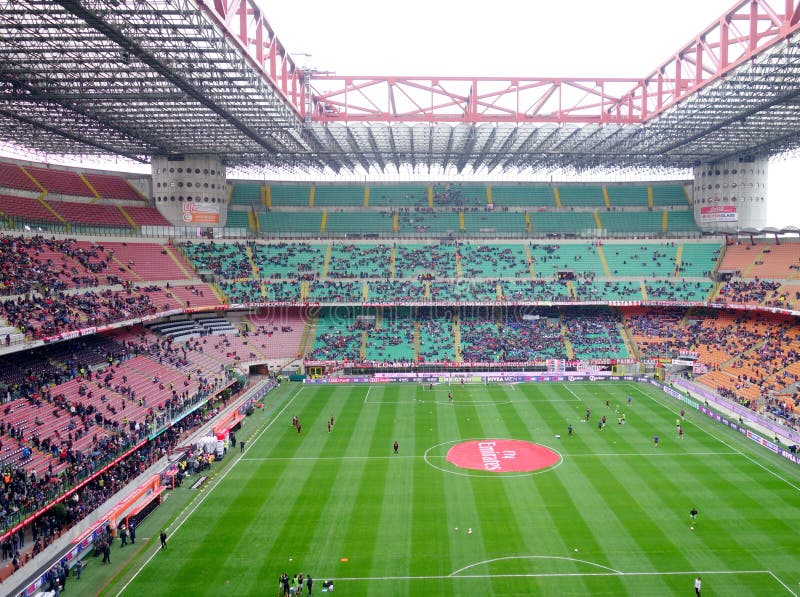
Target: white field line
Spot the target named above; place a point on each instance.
(593, 455)
(720, 440)
(367, 396)
(184, 515)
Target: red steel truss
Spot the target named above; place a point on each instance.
(747, 30)
(243, 22)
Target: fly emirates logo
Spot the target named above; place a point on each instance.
(490, 457)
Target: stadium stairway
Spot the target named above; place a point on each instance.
(417, 341)
(457, 337)
(568, 348)
(249, 252)
(603, 261)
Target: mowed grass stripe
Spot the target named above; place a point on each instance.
(470, 497)
(291, 528)
(393, 534)
(431, 522)
(363, 532)
(628, 512)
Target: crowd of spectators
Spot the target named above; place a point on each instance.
(35, 263)
(360, 261)
(512, 340)
(739, 291)
(53, 313)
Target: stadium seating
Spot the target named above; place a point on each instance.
(421, 260)
(284, 260)
(523, 195)
(394, 196)
(112, 187)
(561, 223)
(360, 261)
(392, 342)
(358, 222)
(581, 196)
(13, 177)
(60, 182)
(304, 222)
(330, 196)
(648, 260)
(289, 195)
(549, 258)
(668, 194)
(245, 193)
(493, 261)
(646, 222)
(627, 195)
(146, 216)
(26, 208)
(485, 223)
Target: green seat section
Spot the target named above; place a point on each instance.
(638, 221)
(399, 291)
(393, 342)
(360, 261)
(436, 343)
(698, 259)
(237, 219)
(490, 222)
(359, 222)
(338, 196)
(413, 261)
(459, 195)
(289, 195)
(678, 290)
(335, 291)
(534, 290)
(625, 195)
(566, 223)
(441, 222)
(289, 260)
(242, 291)
(608, 291)
(246, 193)
(668, 194)
(549, 259)
(511, 340)
(282, 291)
(681, 221)
(493, 261)
(523, 195)
(250, 291)
(337, 338)
(463, 291)
(595, 335)
(581, 196)
(398, 196)
(647, 260)
(290, 222)
(226, 260)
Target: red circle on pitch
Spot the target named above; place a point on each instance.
(502, 456)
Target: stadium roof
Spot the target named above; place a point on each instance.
(142, 77)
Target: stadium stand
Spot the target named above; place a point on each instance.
(112, 187)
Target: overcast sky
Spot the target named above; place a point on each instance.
(570, 38)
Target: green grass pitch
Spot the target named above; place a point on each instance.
(612, 518)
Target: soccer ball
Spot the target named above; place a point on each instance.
(691, 528)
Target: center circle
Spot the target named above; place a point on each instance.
(502, 456)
